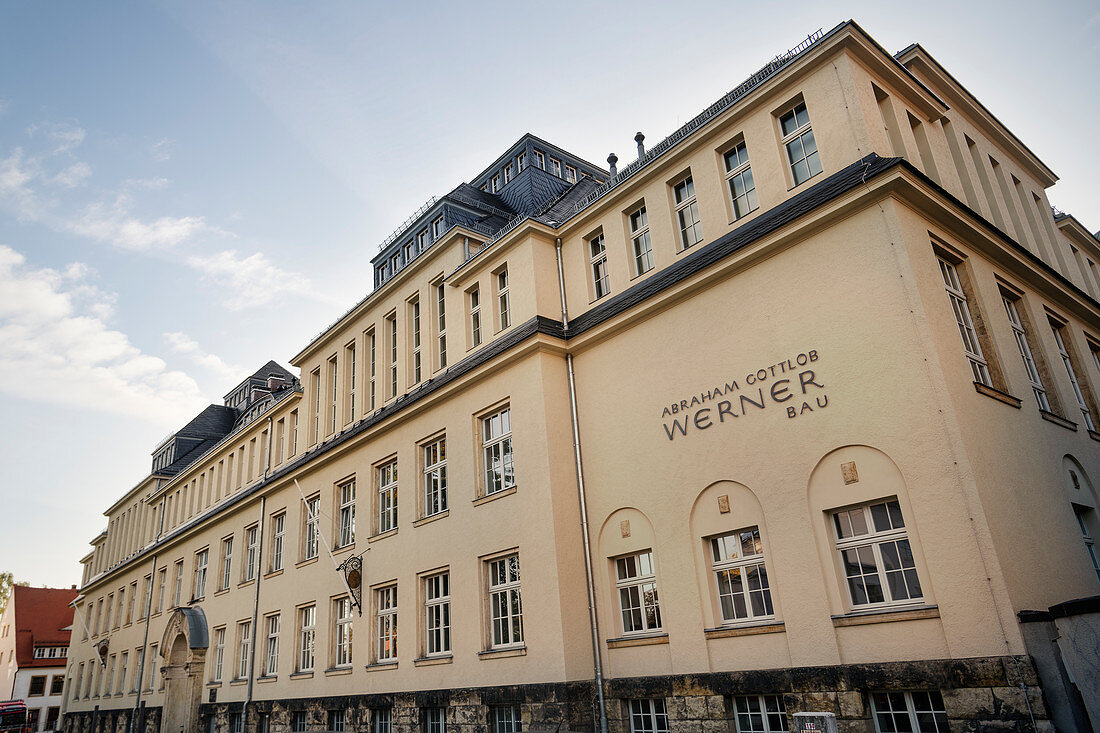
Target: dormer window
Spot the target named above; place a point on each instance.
(437, 228)
(422, 241)
(408, 252)
(494, 183)
(555, 167)
(508, 173)
(540, 160)
(521, 161)
(570, 174)
(395, 263)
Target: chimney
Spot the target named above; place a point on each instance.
(275, 383)
(639, 138)
(611, 161)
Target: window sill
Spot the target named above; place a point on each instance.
(885, 616)
(337, 671)
(273, 574)
(379, 666)
(301, 675)
(431, 661)
(723, 632)
(1094, 435)
(640, 640)
(303, 563)
(238, 682)
(515, 651)
(246, 583)
(214, 684)
(1058, 420)
(997, 395)
(267, 678)
(341, 550)
(493, 497)
(221, 592)
(383, 535)
(431, 518)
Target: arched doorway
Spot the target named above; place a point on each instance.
(183, 649)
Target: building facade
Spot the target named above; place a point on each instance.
(34, 650)
(795, 412)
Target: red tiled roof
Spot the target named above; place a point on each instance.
(41, 617)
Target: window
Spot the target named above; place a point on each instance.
(922, 712)
(636, 583)
(32, 718)
(278, 541)
(743, 590)
(263, 723)
(639, 238)
(380, 720)
(435, 720)
(441, 306)
(494, 184)
(475, 317)
(179, 584)
(505, 606)
(146, 596)
(503, 304)
(875, 552)
(315, 387)
(307, 633)
(346, 534)
(540, 159)
(153, 666)
(971, 346)
(496, 431)
(38, 686)
(739, 179)
(336, 720)
(201, 559)
(555, 167)
(162, 583)
(1068, 360)
(333, 389)
(311, 520)
(437, 228)
(293, 447)
(271, 658)
(252, 548)
(57, 684)
(509, 173)
(437, 614)
(349, 359)
(298, 721)
(798, 139)
(219, 655)
(760, 714)
(435, 477)
(342, 620)
(1083, 515)
(648, 716)
(236, 723)
(597, 254)
(414, 317)
(373, 362)
(227, 563)
(387, 497)
(421, 242)
(521, 161)
(79, 677)
(1022, 344)
(133, 602)
(140, 654)
(392, 324)
(506, 719)
(244, 649)
(687, 212)
(386, 620)
(570, 174)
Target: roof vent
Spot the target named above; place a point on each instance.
(640, 138)
(611, 161)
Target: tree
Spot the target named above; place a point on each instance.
(7, 580)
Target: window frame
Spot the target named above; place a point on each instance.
(272, 630)
(744, 564)
(488, 445)
(648, 715)
(768, 707)
(964, 320)
(385, 495)
(306, 656)
(343, 633)
(643, 582)
(597, 262)
(740, 172)
(433, 454)
(385, 623)
(875, 538)
(504, 616)
(437, 613)
(641, 246)
(1031, 365)
(939, 716)
(345, 513)
(278, 541)
(504, 300)
(251, 566)
(799, 133)
(311, 527)
(226, 579)
(1077, 385)
(685, 203)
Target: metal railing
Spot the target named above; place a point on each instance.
(487, 208)
(399, 230)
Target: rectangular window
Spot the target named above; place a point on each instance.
(123, 663)
(37, 687)
(597, 257)
(441, 317)
(336, 720)
(227, 563)
(437, 614)
(380, 720)
(540, 159)
(521, 161)
(1083, 514)
(414, 317)
(278, 541)
(506, 608)
(687, 212)
(435, 477)
(387, 497)
(738, 563)
(176, 597)
(252, 548)
(153, 667)
(437, 228)
(1024, 347)
(333, 385)
(798, 140)
(244, 648)
(506, 719)
(346, 534)
(132, 604)
(648, 716)
(298, 721)
(271, 658)
(435, 720)
(475, 317)
(1068, 360)
(307, 634)
(373, 363)
(293, 447)
(315, 387)
(162, 584)
(236, 723)
(570, 174)
(496, 431)
(742, 187)
(504, 310)
(311, 521)
(760, 714)
(421, 242)
(876, 556)
(639, 238)
(636, 583)
(494, 184)
(342, 621)
(219, 655)
(391, 324)
(199, 589)
(509, 173)
(909, 711)
(79, 677)
(349, 360)
(555, 167)
(386, 623)
(971, 345)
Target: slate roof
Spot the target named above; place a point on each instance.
(43, 617)
(272, 368)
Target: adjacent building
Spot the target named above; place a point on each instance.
(34, 651)
(795, 412)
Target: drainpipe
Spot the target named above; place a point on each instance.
(255, 604)
(144, 644)
(597, 664)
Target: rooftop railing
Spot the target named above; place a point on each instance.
(408, 222)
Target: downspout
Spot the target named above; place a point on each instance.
(597, 664)
(144, 643)
(255, 605)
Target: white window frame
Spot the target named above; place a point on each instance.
(648, 716)
(227, 563)
(271, 658)
(494, 183)
(251, 554)
(244, 649)
(391, 321)
(312, 530)
(497, 451)
(803, 135)
(1030, 367)
(570, 174)
(179, 587)
(1063, 352)
(910, 705)
(597, 258)
(385, 602)
(540, 159)
(387, 496)
(687, 212)
(636, 591)
(437, 614)
(972, 347)
(373, 365)
(504, 307)
(555, 167)
(341, 614)
(729, 561)
(435, 720)
(474, 296)
(640, 243)
(278, 541)
(868, 544)
(349, 355)
(381, 720)
(1081, 514)
(739, 174)
(441, 338)
(760, 714)
(437, 228)
(219, 655)
(414, 307)
(307, 638)
(435, 476)
(345, 493)
(505, 602)
(507, 719)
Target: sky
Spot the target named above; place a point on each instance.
(188, 190)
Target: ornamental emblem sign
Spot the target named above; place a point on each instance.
(101, 650)
(353, 577)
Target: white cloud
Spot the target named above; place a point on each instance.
(226, 374)
(161, 150)
(251, 281)
(64, 135)
(16, 173)
(55, 349)
(113, 224)
(147, 183)
(74, 175)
